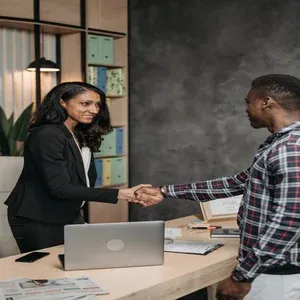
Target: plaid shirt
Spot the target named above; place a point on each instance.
(269, 214)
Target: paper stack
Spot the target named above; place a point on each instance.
(82, 288)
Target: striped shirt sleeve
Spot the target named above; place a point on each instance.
(210, 189)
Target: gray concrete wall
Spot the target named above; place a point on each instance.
(191, 65)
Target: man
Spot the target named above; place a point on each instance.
(269, 215)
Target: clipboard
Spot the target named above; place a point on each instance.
(190, 247)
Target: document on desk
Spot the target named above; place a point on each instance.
(172, 233)
(225, 206)
(82, 288)
(191, 247)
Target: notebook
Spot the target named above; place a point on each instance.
(225, 233)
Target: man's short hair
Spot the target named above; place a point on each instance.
(284, 89)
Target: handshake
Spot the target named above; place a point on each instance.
(143, 194)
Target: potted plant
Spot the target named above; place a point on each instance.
(12, 136)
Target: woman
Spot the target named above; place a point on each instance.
(59, 172)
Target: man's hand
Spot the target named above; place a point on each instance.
(130, 195)
(148, 196)
(229, 289)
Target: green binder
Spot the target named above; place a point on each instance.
(93, 49)
(117, 170)
(106, 50)
(108, 146)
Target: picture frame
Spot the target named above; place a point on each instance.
(221, 209)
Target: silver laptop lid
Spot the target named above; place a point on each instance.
(110, 245)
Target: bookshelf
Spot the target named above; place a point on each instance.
(74, 21)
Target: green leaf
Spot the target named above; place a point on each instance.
(17, 152)
(11, 134)
(11, 141)
(20, 130)
(4, 122)
(4, 144)
(11, 120)
(4, 133)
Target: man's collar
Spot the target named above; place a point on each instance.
(288, 128)
(281, 132)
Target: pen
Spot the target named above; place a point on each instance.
(207, 227)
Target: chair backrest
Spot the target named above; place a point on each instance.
(10, 170)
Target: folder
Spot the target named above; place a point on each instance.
(106, 171)
(101, 79)
(117, 170)
(108, 145)
(100, 50)
(93, 49)
(99, 169)
(120, 141)
(106, 50)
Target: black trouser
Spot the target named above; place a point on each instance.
(32, 235)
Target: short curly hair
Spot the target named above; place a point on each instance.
(51, 111)
(284, 89)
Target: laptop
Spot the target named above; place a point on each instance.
(113, 245)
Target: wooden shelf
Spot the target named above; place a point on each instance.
(107, 66)
(118, 125)
(16, 23)
(59, 28)
(46, 27)
(98, 155)
(115, 96)
(113, 34)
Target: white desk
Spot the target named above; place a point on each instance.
(180, 275)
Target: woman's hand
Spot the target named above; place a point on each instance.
(149, 195)
(129, 194)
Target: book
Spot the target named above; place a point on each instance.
(115, 84)
(225, 233)
(92, 76)
(102, 78)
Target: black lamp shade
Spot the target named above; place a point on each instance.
(45, 66)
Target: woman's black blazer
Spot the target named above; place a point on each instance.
(52, 184)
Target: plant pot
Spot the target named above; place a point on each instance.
(10, 170)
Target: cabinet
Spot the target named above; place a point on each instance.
(17, 9)
(71, 58)
(92, 33)
(107, 15)
(60, 11)
(107, 52)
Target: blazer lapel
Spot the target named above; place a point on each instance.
(76, 153)
(92, 172)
